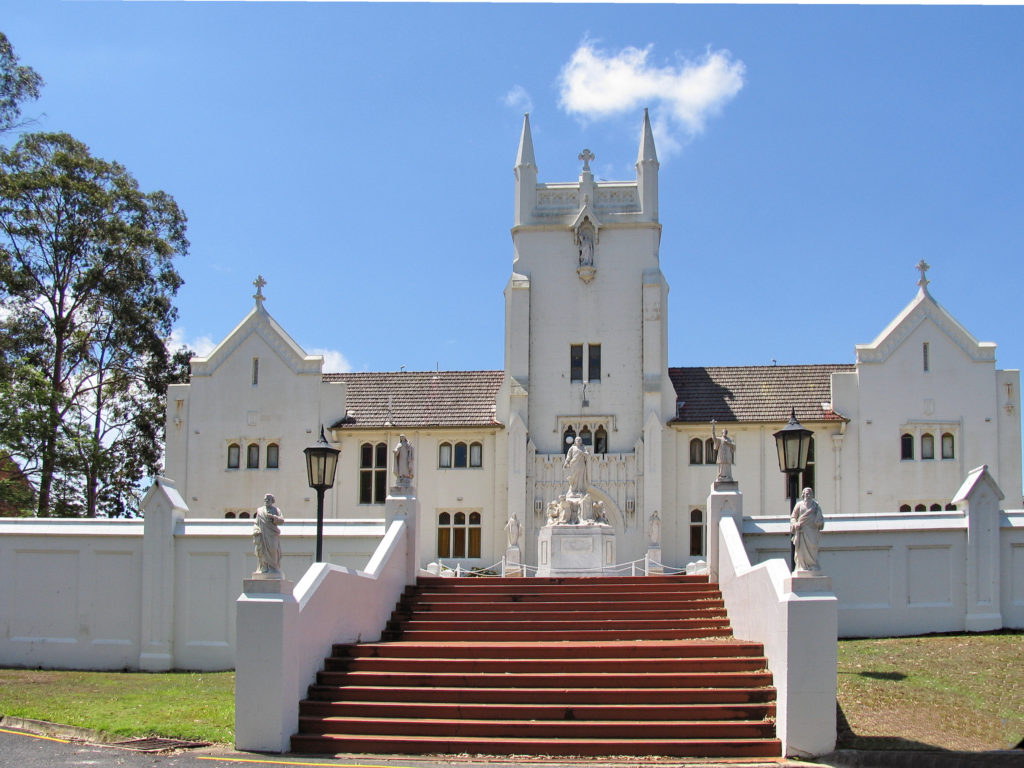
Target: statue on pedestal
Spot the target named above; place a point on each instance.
(405, 462)
(726, 450)
(266, 536)
(805, 525)
(513, 527)
(575, 466)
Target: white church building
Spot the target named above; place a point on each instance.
(586, 340)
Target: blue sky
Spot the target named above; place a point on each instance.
(359, 157)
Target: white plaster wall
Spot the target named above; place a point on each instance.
(75, 598)
(956, 394)
(896, 574)
(1011, 561)
(214, 410)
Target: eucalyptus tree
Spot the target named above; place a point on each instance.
(87, 279)
(18, 83)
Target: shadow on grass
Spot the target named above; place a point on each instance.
(853, 751)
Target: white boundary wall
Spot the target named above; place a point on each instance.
(914, 573)
(156, 594)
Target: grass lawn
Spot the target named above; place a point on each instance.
(963, 692)
(196, 706)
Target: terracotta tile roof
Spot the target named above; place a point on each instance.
(755, 393)
(419, 399)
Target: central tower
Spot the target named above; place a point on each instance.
(586, 334)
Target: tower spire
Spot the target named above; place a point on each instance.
(647, 171)
(526, 175)
(525, 157)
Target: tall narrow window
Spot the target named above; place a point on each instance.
(568, 438)
(444, 535)
(924, 356)
(474, 534)
(927, 446)
(476, 455)
(696, 532)
(586, 436)
(696, 451)
(807, 478)
(255, 371)
(252, 456)
(710, 452)
(460, 455)
(234, 455)
(576, 362)
(594, 362)
(373, 473)
(273, 456)
(906, 447)
(444, 455)
(600, 440)
(947, 446)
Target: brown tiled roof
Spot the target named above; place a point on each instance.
(755, 392)
(410, 399)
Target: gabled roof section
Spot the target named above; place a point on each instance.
(419, 399)
(259, 322)
(922, 308)
(755, 393)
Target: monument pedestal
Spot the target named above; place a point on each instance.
(654, 560)
(513, 562)
(576, 550)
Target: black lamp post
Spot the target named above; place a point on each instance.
(793, 442)
(321, 464)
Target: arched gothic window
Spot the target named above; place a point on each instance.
(696, 451)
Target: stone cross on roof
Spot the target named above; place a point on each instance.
(586, 156)
(922, 267)
(259, 282)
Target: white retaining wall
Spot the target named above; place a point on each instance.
(155, 594)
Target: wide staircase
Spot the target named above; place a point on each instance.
(623, 666)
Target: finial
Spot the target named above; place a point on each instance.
(259, 282)
(586, 156)
(923, 266)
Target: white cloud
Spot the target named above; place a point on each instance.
(595, 84)
(334, 361)
(201, 346)
(518, 98)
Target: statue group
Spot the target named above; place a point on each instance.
(576, 506)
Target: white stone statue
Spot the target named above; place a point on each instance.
(405, 462)
(599, 516)
(553, 512)
(726, 449)
(575, 466)
(805, 525)
(586, 247)
(513, 528)
(266, 537)
(655, 529)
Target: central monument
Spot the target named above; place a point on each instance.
(577, 540)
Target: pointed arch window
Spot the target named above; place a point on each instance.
(696, 451)
(696, 532)
(710, 452)
(906, 447)
(459, 534)
(586, 436)
(373, 473)
(568, 438)
(601, 440)
(927, 446)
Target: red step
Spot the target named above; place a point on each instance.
(569, 666)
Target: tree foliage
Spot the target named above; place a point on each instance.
(87, 278)
(18, 84)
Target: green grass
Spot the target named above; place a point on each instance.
(195, 706)
(937, 691)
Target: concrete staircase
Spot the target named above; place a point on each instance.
(562, 666)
